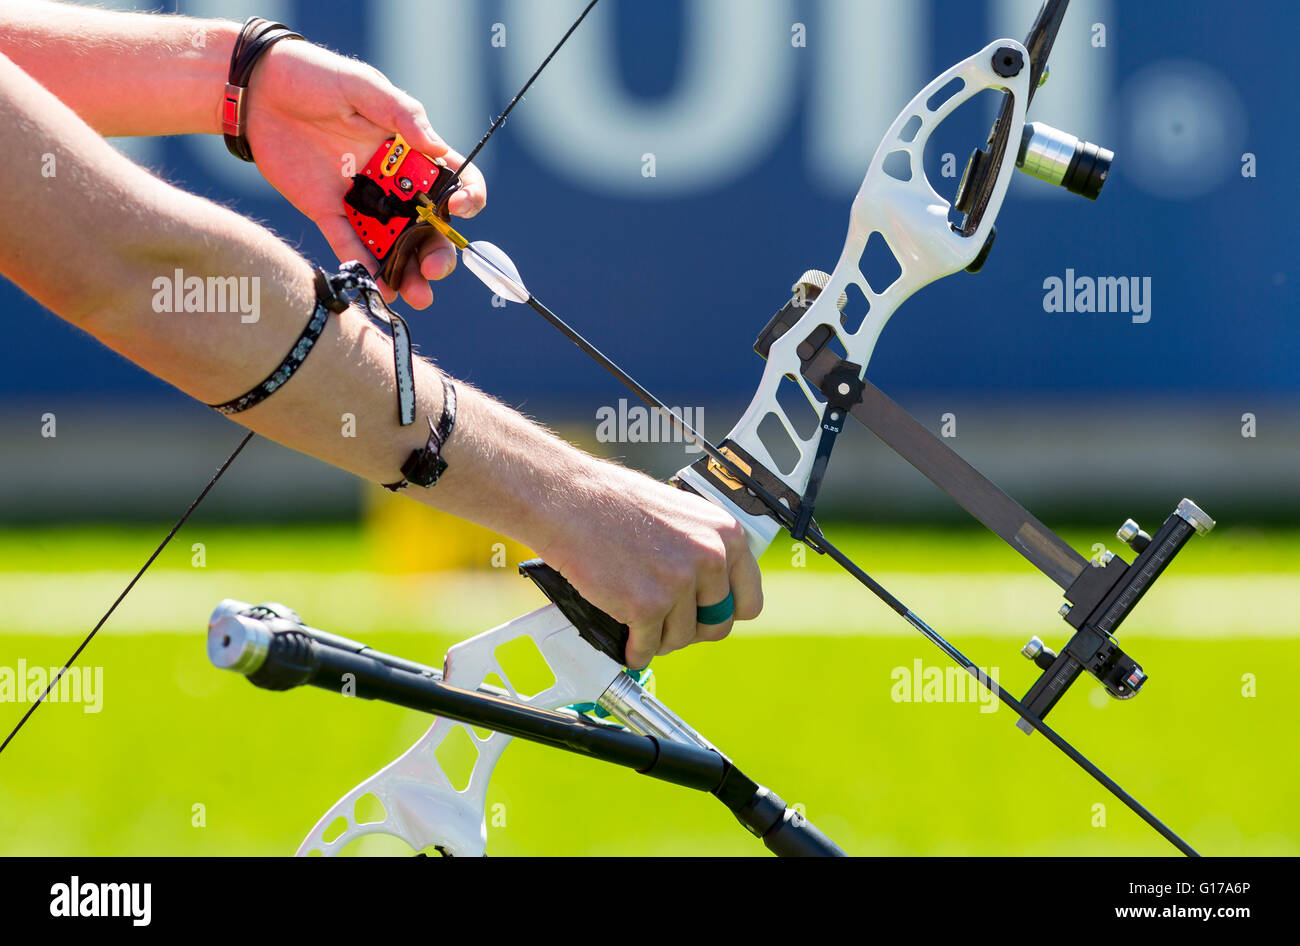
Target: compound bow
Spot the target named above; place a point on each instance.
(814, 346)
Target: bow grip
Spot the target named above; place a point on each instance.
(593, 625)
(383, 204)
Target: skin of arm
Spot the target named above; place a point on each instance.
(106, 229)
(308, 110)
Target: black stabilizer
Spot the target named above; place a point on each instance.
(689, 766)
(796, 836)
(783, 831)
(295, 658)
(291, 661)
(297, 655)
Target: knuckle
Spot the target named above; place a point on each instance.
(641, 641)
(709, 552)
(646, 608)
(751, 607)
(677, 576)
(731, 530)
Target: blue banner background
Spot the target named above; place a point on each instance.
(674, 275)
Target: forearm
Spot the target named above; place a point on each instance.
(109, 231)
(123, 73)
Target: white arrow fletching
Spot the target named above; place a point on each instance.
(491, 265)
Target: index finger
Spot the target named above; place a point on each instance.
(642, 644)
(746, 584)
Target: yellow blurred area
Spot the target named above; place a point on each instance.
(411, 538)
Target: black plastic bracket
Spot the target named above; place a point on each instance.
(595, 626)
(842, 387)
(1101, 598)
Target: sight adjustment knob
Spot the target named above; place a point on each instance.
(1131, 534)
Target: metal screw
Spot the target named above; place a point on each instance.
(1032, 648)
(1008, 62)
(1064, 610)
(1127, 531)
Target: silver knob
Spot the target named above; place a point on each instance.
(1064, 610)
(810, 285)
(238, 642)
(1032, 648)
(1195, 515)
(1128, 531)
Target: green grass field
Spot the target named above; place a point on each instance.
(184, 759)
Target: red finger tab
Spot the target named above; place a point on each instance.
(382, 204)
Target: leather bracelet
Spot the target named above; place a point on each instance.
(256, 37)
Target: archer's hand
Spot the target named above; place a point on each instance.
(649, 554)
(309, 112)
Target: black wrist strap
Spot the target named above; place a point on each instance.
(257, 36)
(425, 466)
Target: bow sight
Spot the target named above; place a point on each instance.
(1100, 593)
(1101, 596)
